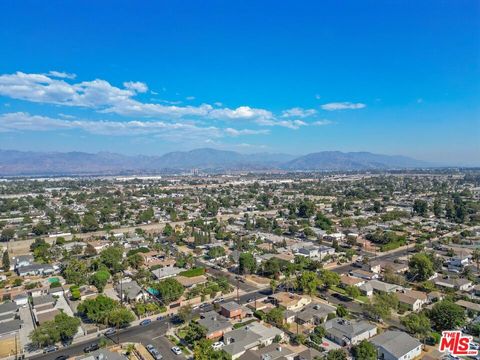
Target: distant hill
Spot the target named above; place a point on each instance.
(336, 160)
(57, 163)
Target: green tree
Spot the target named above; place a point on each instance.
(194, 332)
(75, 272)
(322, 222)
(365, 350)
(40, 228)
(67, 326)
(318, 334)
(63, 327)
(168, 230)
(420, 207)
(308, 282)
(146, 215)
(417, 324)
(100, 279)
(135, 261)
(329, 278)
(337, 354)
(275, 316)
(7, 234)
(119, 317)
(421, 267)
(306, 209)
(41, 250)
(89, 222)
(203, 351)
(247, 263)
(5, 261)
(185, 313)
(112, 257)
(97, 309)
(353, 291)
(215, 252)
(446, 315)
(342, 311)
(169, 290)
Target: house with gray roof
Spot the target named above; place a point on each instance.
(8, 308)
(166, 272)
(251, 336)
(11, 326)
(215, 324)
(396, 345)
(35, 269)
(314, 313)
(131, 291)
(23, 260)
(270, 352)
(348, 332)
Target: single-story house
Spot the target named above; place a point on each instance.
(396, 345)
(345, 332)
(215, 324)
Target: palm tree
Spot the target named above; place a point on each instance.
(289, 283)
(273, 285)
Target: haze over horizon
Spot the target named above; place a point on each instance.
(296, 78)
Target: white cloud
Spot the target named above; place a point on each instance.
(66, 116)
(317, 96)
(235, 132)
(342, 106)
(242, 112)
(291, 124)
(136, 86)
(322, 122)
(190, 98)
(101, 96)
(298, 112)
(61, 74)
(22, 121)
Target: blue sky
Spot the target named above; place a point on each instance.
(392, 77)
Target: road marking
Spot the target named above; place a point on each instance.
(156, 337)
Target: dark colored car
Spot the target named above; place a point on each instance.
(91, 347)
(61, 357)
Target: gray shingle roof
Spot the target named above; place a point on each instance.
(397, 343)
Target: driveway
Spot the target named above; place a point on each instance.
(27, 326)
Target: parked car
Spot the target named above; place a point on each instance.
(176, 350)
(50, 349)
(217, 345)
(154, 352)
(91, 347)
(61, 357)
(110, 332)
(145, 322)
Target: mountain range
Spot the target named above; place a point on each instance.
(20, 163)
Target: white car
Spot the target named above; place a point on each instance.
(217, 345)
(176, 350)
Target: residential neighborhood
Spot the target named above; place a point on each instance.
(271, 266)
